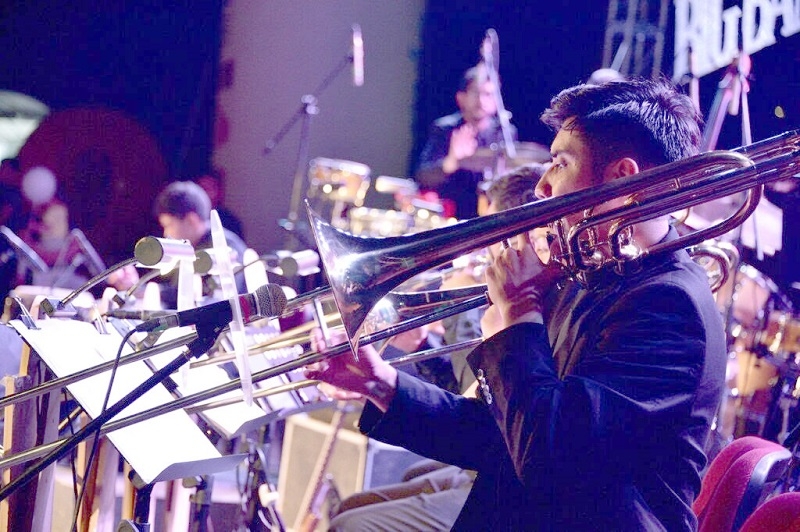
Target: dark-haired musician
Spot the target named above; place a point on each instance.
(455, 138)
(596, 397)
(433, 500)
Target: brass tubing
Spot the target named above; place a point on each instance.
(94, 370)
(205, 395)
(361, 271)
(419, 356)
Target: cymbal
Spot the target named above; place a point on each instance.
(494, 157)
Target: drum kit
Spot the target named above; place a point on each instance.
(761, 322)
(763, 370)
(338, 188)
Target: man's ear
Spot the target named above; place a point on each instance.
(460, 95)
(194, 218)
(621, 168)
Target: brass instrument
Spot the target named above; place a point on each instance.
(390, 311)
(398, 305)
(363, 270)
(235, 384)
(718, 258)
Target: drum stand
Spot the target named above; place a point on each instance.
(787, 402)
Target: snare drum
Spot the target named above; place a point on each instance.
(745, 301)
(781, 335)
(365, 221)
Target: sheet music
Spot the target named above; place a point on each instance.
(166, 447)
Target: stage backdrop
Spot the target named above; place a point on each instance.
(274, 53)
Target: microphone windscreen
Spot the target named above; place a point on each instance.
(203, 263)
(271, 300)
(152, 251)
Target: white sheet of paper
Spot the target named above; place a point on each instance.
(166, 447)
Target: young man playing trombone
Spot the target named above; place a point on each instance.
(597, 391)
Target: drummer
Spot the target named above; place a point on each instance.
(453, 140)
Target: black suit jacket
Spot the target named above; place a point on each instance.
(595, 421)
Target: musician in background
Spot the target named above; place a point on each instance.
(48, 234)
(598, 392)
(214, 186)
(454, 138)
(183, 210)
(432, 493)
(451, 372)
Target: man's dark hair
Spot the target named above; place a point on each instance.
(516, 187)
(476, 73)
(647, 120)
(181, 198)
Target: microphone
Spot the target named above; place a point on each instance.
(24, 250)
(154, 252)
(358, 56)
(266, 302)
(96, 264)
(141, 315)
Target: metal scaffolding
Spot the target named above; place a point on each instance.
(634, 40)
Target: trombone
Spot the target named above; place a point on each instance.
(308, 357)
(398, 305)
(393, 308)
(363, 270)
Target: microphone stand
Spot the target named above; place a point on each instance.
(206, 336)
(52, 309)
(141, 507)
(489, 50)
(308, 108)
(731, 96)
(23, 250)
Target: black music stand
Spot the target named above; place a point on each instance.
(59, 329)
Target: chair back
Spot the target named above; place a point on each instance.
(738, 483)
(779, 514)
